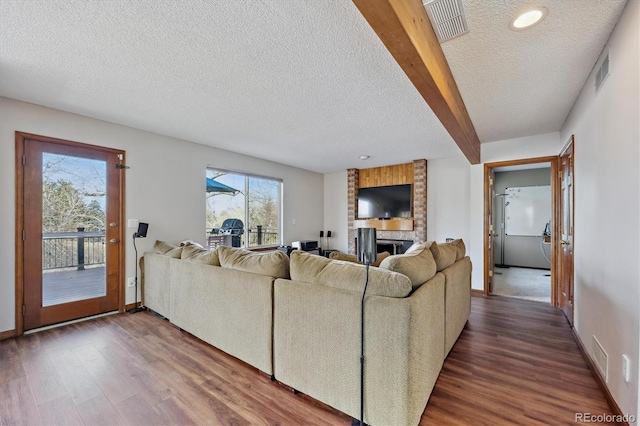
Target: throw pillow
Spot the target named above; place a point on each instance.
(167, 249)
(273, 263)
(460, 247)
(417, 264)
(319, 270)
(353, 258)
(199, 254)
(445, 255)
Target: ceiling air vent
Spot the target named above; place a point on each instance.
(447, 18)
(603, 72)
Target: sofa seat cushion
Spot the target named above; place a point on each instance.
(273, 263)
(167, 249)
(337, 255)
(197, 253)
(417, 264)
(321, 271)
(446, 254)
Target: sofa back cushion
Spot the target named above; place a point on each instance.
(446, 254)
(337, 255)
(167, 249)
(273, 263)
(417, 264)
(197, 253)
(350, 276)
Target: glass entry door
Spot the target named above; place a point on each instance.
(72, 244)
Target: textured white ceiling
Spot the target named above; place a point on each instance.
(304, 83)
(519, 83)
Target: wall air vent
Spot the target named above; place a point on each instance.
(603, 72)
(600, 357)
(447, 18)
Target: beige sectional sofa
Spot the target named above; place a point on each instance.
(218, 299)
(410, 326)
(300, 320)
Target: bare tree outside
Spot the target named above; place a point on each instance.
(73, 201)
(263, 204)
(73, 194)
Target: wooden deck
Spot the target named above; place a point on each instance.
(63, 286)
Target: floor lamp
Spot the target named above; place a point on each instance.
(367, 253)
(141, 233)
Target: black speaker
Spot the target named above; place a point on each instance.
(321, 234)
(142, 230)
(328, 234)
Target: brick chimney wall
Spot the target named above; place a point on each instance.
(419, 232)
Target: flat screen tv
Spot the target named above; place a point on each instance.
(384, 202)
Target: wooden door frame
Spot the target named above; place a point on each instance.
(570, 143)
(555, 205)
(19, 215)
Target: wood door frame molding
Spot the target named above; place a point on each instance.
(569, 145)
(20, 138)
(555, 204)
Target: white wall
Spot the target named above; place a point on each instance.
(607, 207)
(335, 210)
(448, 199)
(164, 186)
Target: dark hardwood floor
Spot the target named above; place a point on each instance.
(515, 363)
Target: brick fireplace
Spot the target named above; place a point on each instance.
(419, 232)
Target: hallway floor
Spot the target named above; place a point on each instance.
(523, 283)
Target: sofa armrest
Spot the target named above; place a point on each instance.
(155, 283)
(457, 300)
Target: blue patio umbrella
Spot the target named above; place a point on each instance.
(215, 186)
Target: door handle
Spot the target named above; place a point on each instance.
(113, 241)
(565, 242)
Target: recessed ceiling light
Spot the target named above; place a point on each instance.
(528, 19)
(364, 157)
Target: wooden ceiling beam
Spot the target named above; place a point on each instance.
(405, 29)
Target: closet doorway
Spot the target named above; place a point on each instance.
(520, 216)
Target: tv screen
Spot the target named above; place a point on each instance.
(384, 202)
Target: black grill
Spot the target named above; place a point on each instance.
(233, 227)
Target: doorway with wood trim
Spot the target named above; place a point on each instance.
(69, 245)
(521, 212)
(565, 230)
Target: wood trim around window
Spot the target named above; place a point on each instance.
(555, 204)
(19, 220)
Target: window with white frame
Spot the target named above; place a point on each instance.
(242, 210)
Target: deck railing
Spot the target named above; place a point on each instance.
(261, 237)
(72, 249)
